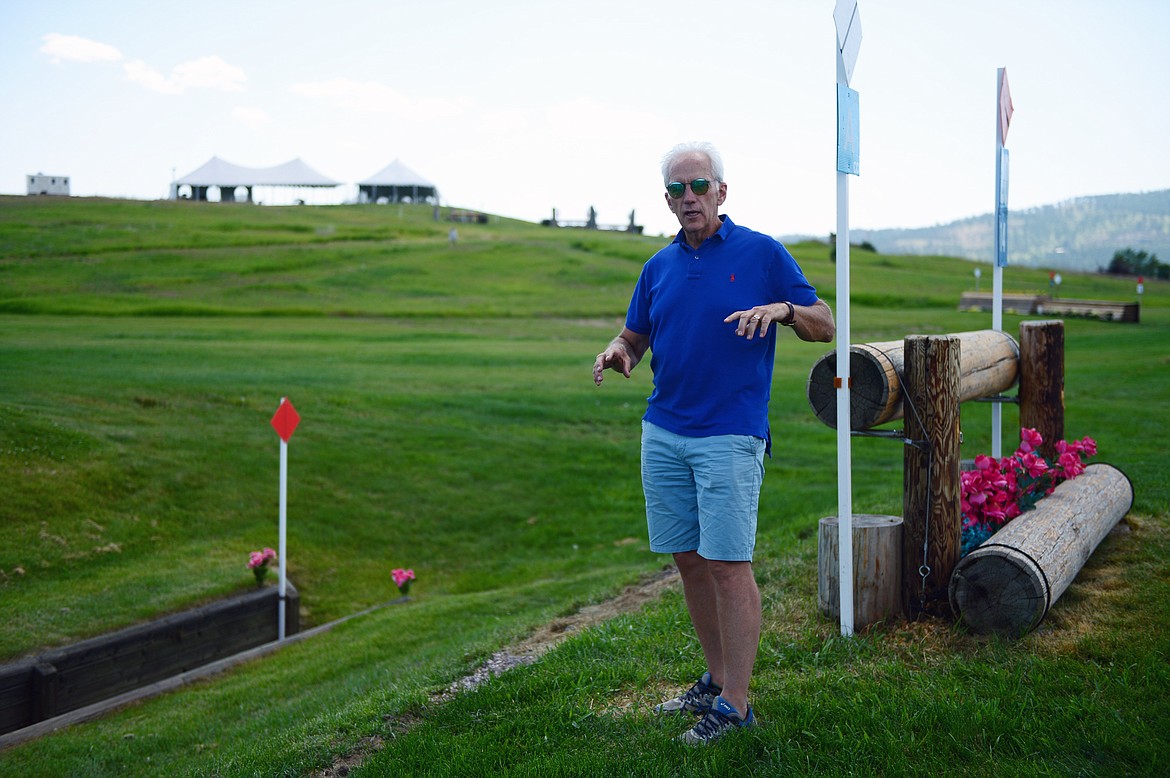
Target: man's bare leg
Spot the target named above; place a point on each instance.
(702, 604)
(738, 606)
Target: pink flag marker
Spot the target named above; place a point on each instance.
(1005, 106)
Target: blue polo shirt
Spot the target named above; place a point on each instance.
(707, 380)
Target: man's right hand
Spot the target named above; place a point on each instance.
(622, 354)
(615, 357)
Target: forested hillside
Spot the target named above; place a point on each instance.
(1079, 234)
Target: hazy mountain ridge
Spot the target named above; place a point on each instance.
(1078, 234)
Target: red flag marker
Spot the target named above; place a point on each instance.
(285, 422)
(286, 419)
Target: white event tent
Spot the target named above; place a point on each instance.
(397, 183)
(227, 178)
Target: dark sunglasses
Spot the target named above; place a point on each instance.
(676, 189)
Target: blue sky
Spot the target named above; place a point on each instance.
(517, 107)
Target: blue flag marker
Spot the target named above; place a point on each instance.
(1001, 211)
(848, 130)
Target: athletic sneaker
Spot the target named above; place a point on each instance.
(697, 699)
(720, 719)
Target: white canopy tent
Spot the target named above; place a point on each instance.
(227, 178)
(397, 183)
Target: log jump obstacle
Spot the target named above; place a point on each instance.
(924, 379)
(989, 364)
(1008, 584)
(1047, 305)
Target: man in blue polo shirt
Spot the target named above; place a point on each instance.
(708, 307)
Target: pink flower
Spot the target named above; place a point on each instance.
(402, 578)
(984, 463)
(1070, 464)
(258, 563)
(1030, 440)
(999, 490)
(1033, 465)
(261, 558)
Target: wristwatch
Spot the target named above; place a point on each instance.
(790, 319)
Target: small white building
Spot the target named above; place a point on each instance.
(40, 184)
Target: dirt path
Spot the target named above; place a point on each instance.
(526, 652)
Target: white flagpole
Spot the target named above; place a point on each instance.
(844, 423)
(847, 21)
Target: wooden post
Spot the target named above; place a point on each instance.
(931, 514)
(45, 681)
(1007, 585)
(988, 364)
(1042, 381)
(877, 568)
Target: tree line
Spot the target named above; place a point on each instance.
(1129, 262)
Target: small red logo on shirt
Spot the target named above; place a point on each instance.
(733, 278)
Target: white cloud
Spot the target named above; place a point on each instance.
(141, 73)
(209, 73)
(251, 117)
(203, 73)
(76, 49)
(373, 97)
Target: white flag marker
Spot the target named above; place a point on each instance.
(285, 423)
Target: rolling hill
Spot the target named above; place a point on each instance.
(1079, 234)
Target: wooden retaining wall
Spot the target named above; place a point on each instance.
(69, 678)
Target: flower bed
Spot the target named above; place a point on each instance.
(999, 490)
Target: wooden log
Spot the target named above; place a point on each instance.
(931, 487)
(988, 365)
(1008, 584)
(877, 568)
(1042, 381)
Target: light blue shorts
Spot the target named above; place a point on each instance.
(702, 494)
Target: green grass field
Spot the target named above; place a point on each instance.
(450, 424)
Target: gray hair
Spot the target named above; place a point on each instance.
(704, 148)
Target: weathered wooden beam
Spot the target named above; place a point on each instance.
(1042, 381)
(930, 473)
(988, 365)
(1007, 585)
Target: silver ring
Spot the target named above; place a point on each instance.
(756, 317)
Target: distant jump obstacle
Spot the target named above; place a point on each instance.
(1046, 305)
(1008, 585)
(592, 224)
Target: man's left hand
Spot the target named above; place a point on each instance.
(755, 321)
